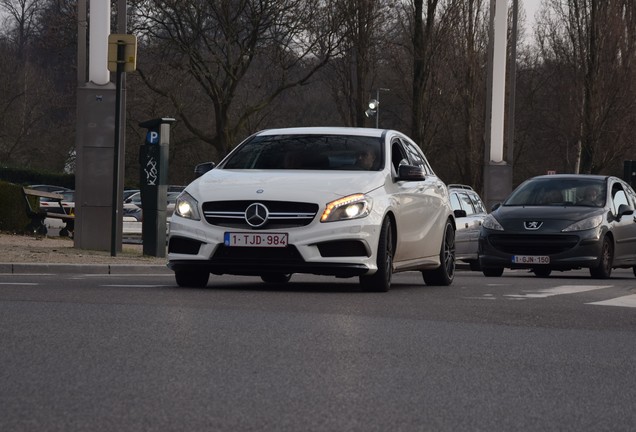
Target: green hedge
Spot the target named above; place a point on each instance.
(13, 217)
(30, 177)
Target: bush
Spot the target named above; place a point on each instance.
(31, 177)
(13, 217)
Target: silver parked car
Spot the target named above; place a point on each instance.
(469, 214)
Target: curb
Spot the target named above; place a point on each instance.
(54, 268)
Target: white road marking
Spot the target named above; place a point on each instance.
(560, 290)
(625, 301)
(19, 283)
(135, 286)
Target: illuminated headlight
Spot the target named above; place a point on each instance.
(491, 223)
(187, 207)
(585, 224)
(350, 207)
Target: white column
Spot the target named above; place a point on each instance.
(498, 80)
(99, 29)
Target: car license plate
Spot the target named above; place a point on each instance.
(243, 239)
(531, 259)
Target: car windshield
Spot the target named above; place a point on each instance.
(308, 152)
(559, 191)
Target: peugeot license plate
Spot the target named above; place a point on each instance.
(531, 259)
(243, 239)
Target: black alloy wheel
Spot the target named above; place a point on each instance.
(445, 273)
(380, 281)
(603, 269)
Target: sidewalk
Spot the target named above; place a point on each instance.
(52, 254)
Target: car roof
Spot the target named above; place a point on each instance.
(460, 186)
(572, 176)
(323, 130)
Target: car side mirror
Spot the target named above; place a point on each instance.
(411, 173)
(495, 207)
(202, 168)
(623, 210)
(459, 213)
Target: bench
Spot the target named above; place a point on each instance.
(38, 214)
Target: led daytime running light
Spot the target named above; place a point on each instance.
(339, 203)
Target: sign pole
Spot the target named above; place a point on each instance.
(121, 50)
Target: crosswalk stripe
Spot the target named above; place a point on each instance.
(625, 301)
(559, 290)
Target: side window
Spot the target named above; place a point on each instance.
(467, 204)
(454, 200)
(618, 197)
(397, 154)
(416, 157)
(477, 203)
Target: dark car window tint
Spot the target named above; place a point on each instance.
(556, 191)
(311, 152)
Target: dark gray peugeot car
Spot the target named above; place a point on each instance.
(562, 222)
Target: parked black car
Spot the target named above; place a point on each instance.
(555, 222)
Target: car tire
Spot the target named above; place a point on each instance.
(380, 281)
(192, 278)
(603, 269)
(542, 272)
(445, 273)
(492, 271)
(276, 278)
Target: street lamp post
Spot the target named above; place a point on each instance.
(374, 107)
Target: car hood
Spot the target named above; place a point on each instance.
(290, 185)
(552, 218)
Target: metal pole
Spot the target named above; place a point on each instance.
(121, 51)
(377, 109)
(512, 83)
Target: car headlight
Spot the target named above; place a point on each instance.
(491, 223)
(350, 207)
(585, 224)
(187, 207)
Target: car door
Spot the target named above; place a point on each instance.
(624, 227)
(467, 234)
(422, 207)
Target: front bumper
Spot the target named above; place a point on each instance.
(567, 252)
(343, 249)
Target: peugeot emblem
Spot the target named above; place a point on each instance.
(256, 215)
(533, 225)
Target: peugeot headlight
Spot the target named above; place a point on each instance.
(491, 223)
(187, 207)
(585, 224)
(350, 207)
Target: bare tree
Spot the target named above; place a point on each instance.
(365, 26)
(591, 43)
(232, 57)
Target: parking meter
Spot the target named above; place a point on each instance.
(153, 185)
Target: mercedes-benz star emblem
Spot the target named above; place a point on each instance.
(533, 225)
(256, 215)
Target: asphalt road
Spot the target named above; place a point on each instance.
(134, 353)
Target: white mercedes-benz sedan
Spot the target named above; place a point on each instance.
(345, 202)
